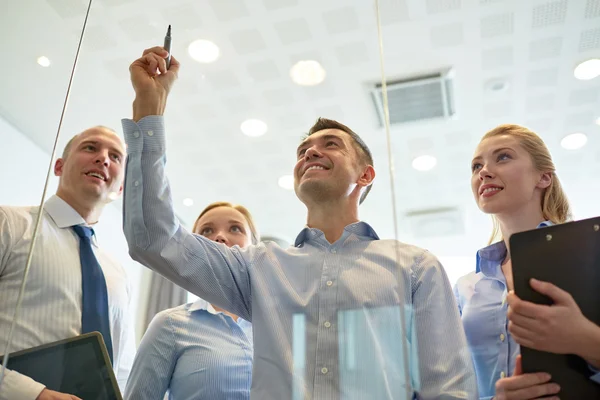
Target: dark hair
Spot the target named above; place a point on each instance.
(361, 147)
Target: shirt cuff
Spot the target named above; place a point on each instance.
(146, 135)
(18, 386)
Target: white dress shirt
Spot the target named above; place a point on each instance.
(51, 308)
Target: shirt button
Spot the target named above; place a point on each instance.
(150, 133)
(327, 324)
(502, 374)
(329, 283)
(324, 370)
(136, 134)
(136, 183)
(502, 337)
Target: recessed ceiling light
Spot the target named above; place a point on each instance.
(574, 141)
(203, 51)
(188, 202)
(287, 182)
(113, 196)
(424, 163)
(307, 73)
(43, 61)
(588, 69)
(253, 127)
(598, 121)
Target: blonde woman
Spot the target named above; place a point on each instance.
(199, 351)
(514, 180)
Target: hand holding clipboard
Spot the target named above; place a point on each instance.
(560, 327)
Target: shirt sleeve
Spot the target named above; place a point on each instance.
(18, 386)
(445, 365)
(6, 239)
(596, 376)
(154, 362)
(210, 270)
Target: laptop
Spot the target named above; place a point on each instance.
(79, 366)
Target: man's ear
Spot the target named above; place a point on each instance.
(545, 180)
(367, 177)
(58, 167)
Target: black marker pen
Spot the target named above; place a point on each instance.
(167, 46)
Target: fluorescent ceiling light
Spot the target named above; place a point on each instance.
(588, 69)
(253, 127)
(203, 51)
(424, 163)
(574, 141)
(307, 73)
(188, 202)
(43, 61)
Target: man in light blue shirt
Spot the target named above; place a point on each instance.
(342, 314)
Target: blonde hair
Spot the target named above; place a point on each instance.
(555, 205)
(254, 235)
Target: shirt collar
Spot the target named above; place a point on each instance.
(63, 215)
(358, 228)
(203, 305)
(490, 257)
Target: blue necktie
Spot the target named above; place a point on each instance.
(94, 298)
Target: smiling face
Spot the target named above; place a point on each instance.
(224, 225)
(329, 166)
(92, 167)
(504, 178)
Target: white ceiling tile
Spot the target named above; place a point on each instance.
(186, 87)
(278, 97)
(352, 53)
(68, 8)
(542, 103)
(393, 11)
(498, 109)
(240, 105)
(458, 138)
(324, 91)
(545, 48)
(540, 125)
(548, 14)
(229, 10)
(497, 25)
(265, 70)
(589, 40)
(584, 96)
(223, 79)
(341, 20)
(293, 31)
(418, 145)
(592, 9)
(98, 38)
(447, 35)
(491, 1)
(118, 67)
(334, 112)
(203, 111)
(182, 17)
(497, 57)
(542, 77)
(441, 6)
(585, 118)
(278, 4)
(139, 29)
(247, 41)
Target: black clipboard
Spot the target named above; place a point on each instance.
(79, 366)
(567, 255)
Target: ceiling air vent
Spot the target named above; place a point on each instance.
(417, 99)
